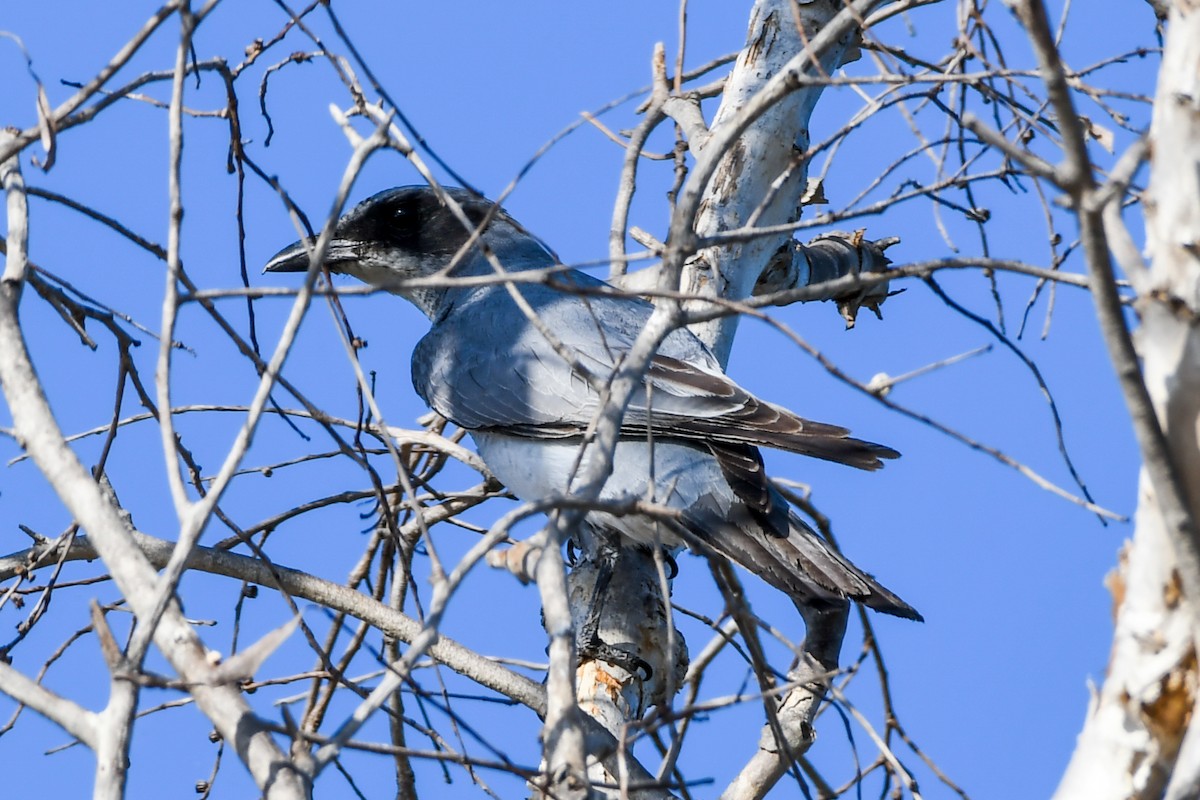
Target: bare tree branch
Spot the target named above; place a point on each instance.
(34, 423)
(74, 719)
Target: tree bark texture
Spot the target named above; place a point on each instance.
(1130, 745)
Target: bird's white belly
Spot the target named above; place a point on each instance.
(533, 469)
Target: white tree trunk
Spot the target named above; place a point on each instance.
(1130, 744)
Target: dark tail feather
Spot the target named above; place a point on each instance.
(803, 565)
(811, 553)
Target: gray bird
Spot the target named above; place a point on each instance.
(490, 370)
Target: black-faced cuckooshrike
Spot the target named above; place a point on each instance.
(485, 366)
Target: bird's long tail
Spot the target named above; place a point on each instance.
(802, 565)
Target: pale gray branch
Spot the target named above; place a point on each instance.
(74, 719)
(809, 681)
(38, 432)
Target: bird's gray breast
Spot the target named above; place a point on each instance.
(686, 478)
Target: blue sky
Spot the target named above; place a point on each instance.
(993, 686)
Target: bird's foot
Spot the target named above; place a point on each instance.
(597, 649)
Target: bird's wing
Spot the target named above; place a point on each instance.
(487, 366)
(697, 403)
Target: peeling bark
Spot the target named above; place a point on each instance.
(1131, 740)
(795, 265)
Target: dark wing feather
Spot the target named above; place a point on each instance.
(742, 466)
(748, 419)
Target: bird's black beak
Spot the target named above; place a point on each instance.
(293, 258)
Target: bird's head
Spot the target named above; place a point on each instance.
(400, 236)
